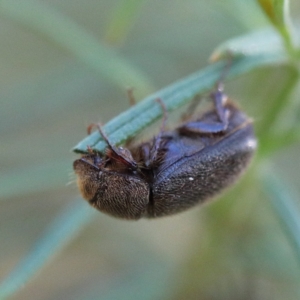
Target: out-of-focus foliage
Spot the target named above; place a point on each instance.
(53, 85)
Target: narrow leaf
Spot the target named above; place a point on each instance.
(63, 229)
(279, 15)
(275, 10)
(122, 20)
(283, 201)
(149, 281)
(132, 121)
(265, 41)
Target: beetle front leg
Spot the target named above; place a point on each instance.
(119, 154)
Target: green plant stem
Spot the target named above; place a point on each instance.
(280, 101)
(279, 15)
(288, 41)
(270, 139)
(283, 202)
(63, 229)
(121, 21)
(277, 143)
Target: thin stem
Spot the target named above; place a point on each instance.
(283, 202)
(62, 230)
(121, 21)
(274, 111)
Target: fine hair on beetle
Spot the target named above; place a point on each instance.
(176, 169)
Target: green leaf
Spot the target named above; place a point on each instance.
(279, 15)
(132, 121)
(63, 229)
(272, 135)
(283, 200)
(265, 41)
(122, 20)
(149, 281)
(275, 10)
(72, 37)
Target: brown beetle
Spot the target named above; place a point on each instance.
(175, 170)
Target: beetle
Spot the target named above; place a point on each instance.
(175, 170)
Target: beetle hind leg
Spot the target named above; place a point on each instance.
(220, 125)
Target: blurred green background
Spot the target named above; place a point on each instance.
(234, 248)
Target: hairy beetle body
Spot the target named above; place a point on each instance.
(202, 170)
(175, 170)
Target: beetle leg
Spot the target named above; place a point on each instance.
(103, 135)
(185, 117)
(131, 97)
(219, 100)
(153, 153)
(120, 154)
(89, 150)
